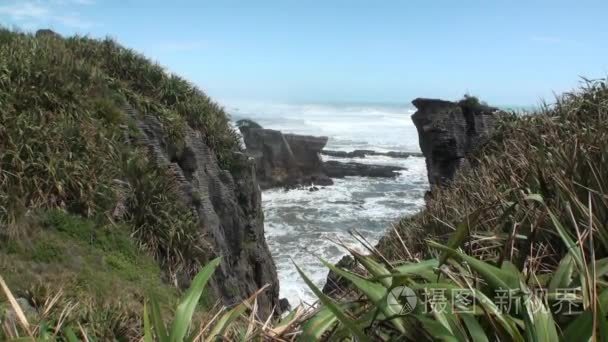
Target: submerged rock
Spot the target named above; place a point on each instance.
(448, 131)
(338, 169)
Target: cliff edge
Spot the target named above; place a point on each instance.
(448, 131)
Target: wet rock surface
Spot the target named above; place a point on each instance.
(336, 169)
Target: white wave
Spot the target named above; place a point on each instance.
(300, 225)
(379, 127)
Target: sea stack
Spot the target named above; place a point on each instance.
(284, 159)
(448, 131)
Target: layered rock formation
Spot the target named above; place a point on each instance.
(228, 205)
(336, 169)
(448, 131)
(290, 159)
(284, 159)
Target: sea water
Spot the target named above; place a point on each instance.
(302, 226)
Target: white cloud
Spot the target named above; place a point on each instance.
(38, 13)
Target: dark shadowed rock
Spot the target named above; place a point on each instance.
(336, 286)
(284, 305)
(336, 169)
(448, 131)
(284, 159)
(47, 33)
(228, 207)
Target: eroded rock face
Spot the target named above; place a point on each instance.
(336, 169)
(228, 205)
(284, 159)
(448, 131)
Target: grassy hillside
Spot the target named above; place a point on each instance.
(82, 209)
(90, 228)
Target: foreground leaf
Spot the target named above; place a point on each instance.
(185, 310)
(315, 327)
(341, 316)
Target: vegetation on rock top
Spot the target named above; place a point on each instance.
(83, 210)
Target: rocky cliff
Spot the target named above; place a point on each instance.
(228, 205)
(448, 131)
(284, 159)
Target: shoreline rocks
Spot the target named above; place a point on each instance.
(293, 160)
(284, 159)
(336, 169)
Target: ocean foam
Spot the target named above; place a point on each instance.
(301, 225)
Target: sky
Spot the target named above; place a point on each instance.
(338, 51)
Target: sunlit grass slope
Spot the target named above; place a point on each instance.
(82, 208)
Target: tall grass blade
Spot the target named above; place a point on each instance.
(497, 278)
(147, 326)
(185, 310)
(229, 317)
(314, 328)
(341, 316)
(157, 320)
(460, 234)
(375, 292)
(475, 329)
(563, 274)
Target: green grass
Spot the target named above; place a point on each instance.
(69, 162)
(63, 136)
(96, 265)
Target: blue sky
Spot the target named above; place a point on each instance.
(506, 52)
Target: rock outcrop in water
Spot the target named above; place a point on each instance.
(364, 153)
(228, 205)
(336, 169)
(284, 159)
(290, 160)
(448, 131)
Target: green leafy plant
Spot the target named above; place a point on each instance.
(535, 301)
(183, 314)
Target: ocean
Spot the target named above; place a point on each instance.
(303, 226)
